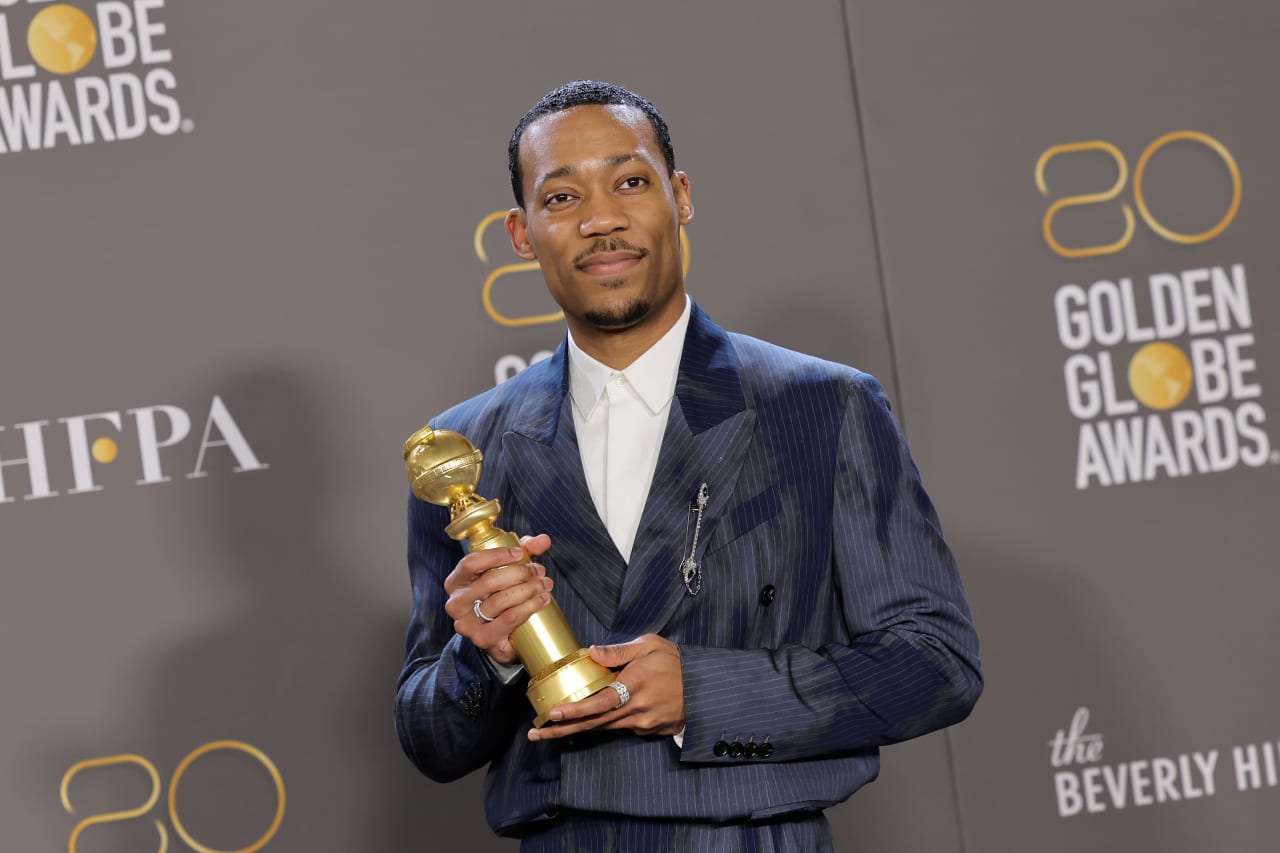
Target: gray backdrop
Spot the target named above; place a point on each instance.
(269, 277)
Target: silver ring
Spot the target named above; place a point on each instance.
(475, 608)
(624, 695)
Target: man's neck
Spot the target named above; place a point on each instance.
(619, 348)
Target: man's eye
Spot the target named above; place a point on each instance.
(634, 183)
(558, 198)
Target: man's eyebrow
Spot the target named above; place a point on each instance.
(562, 172)
(567, 171)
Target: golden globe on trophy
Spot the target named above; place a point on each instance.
(444, 468)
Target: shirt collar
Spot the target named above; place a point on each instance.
(652, 375)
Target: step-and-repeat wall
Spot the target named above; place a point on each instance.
(249, 247)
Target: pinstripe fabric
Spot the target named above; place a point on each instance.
(867, 639)
(613, 834)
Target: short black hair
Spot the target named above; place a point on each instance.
(581, 93)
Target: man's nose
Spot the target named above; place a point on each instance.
(601, 216)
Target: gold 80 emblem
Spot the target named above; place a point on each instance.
(1139, 172)
(131, 814)
(486, 292)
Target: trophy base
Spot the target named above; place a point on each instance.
(575, 677)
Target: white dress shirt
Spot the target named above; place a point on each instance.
(620, 417)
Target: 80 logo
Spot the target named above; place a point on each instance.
(1139, 197)
(174, 818)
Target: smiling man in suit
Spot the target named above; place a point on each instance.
(738, 530)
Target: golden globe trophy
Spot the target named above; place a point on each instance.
(444, 469)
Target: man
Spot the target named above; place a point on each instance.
(738, 530)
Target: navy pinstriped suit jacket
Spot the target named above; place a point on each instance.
(867, 640)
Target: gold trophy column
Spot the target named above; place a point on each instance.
(444, 469)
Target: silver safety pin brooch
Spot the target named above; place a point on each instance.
(690, 568)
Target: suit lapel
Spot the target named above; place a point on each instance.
(544, 469)
(708, 432)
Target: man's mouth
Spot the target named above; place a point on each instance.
(610, 263)
(609, 257)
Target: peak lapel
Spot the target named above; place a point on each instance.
(544, 469)
(708, 433)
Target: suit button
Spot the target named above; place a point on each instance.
(765, 750)
(735, 749)
(766, 595)
(750, 749)
(720, 749)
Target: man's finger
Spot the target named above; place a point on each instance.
(553, 731)
(619, 654)
(536, 546)
(601, 702)
(507, 608)
(495, 605)
(510, 618)
(494, 638)
(495, 590)
(475, 564)
(496, 582)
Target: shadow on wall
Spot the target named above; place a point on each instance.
(1041, 631)
(304, 665)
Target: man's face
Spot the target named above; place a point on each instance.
(602, 217)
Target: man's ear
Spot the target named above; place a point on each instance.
(683, 195)
(518, 231)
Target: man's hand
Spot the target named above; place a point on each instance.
(651, 671)
(508, 592)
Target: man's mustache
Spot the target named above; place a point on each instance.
(605, 245)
